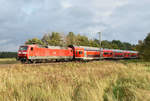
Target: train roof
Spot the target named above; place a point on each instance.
(52, 47)
(89, 48)
(84, 47)
(56, 47)
(118, 50)
(98, 49)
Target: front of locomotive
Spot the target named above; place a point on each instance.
(23, 53)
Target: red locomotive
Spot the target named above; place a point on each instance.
(36, 53)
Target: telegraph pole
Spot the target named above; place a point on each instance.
(100, 44)
(100, 39)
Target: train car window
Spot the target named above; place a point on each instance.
(80, 52)
(105, 53)
(31, 48)
(76, 52)
(133, 55)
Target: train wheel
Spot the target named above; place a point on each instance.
(29, 62)
(34, 61)
(23, 61)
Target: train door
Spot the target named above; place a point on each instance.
(101, 53)
(85, 54)
(31, 52)
(110, 54)
(113, 54)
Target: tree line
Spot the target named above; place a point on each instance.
(8, 54)
(144, 48)
(57, 39)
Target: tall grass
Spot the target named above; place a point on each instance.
(92, 81)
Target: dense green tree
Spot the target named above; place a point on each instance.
(46, 38)
(133, 47)
(127, 46)
(55, 39)
(34, 41)
(106, 44)
(71, 39)
(114, 46)
(93, 43)
(82, 40)
(119, 44)
(138, 47)
(8, 54)
(144, 48)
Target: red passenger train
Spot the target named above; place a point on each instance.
(36, 53)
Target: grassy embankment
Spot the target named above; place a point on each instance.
(92, 81)
(8, 61)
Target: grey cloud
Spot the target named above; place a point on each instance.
(131, 21)
(124, 20)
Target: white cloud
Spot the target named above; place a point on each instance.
(125, 20)
(66, 4)
(121, 3)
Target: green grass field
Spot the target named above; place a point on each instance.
(75, 81)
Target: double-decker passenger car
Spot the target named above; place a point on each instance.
(85, 53)
(92, 53)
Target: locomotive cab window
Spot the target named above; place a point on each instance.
(23, 48)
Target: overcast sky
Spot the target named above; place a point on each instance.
(125, 20)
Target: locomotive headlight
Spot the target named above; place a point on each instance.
(24, 52)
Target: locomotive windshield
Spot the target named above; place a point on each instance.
(23, 48)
